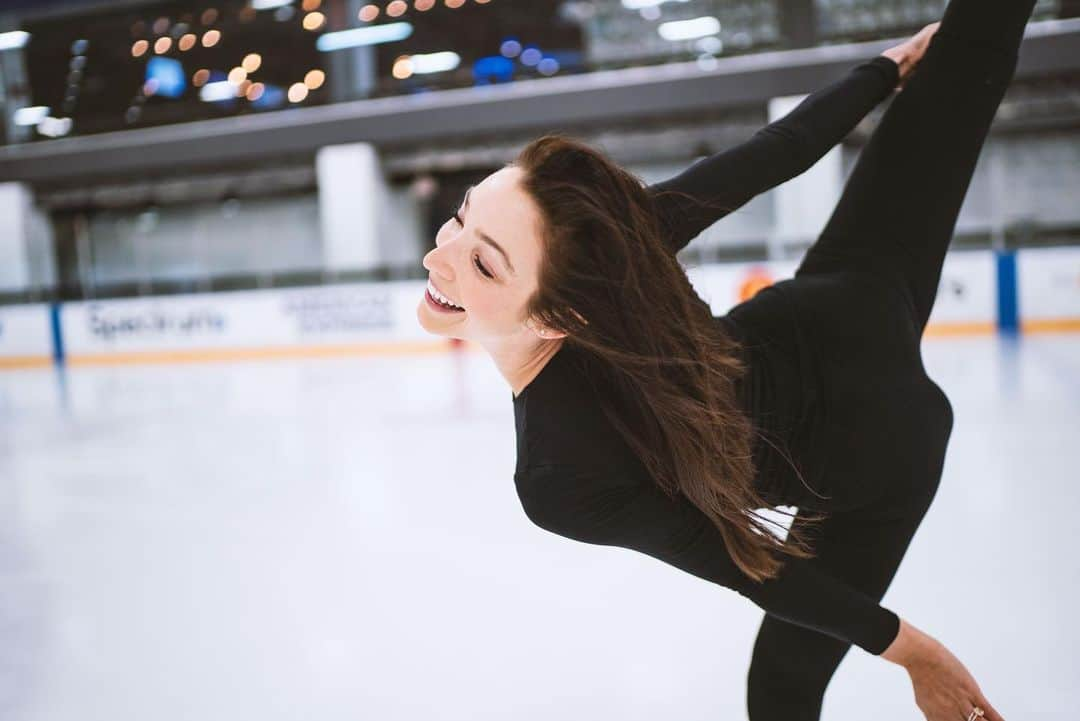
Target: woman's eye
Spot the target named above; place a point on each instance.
(480, 267)
(476, 259)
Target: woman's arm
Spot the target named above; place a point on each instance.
(783, 149)
(596, 508)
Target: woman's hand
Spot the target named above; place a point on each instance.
(944, 689)
(908, 53)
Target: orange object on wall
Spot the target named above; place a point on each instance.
(756, 279)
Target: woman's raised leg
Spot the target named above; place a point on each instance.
(900, 203)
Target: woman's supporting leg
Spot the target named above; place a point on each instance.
(900, 203)
(791, 665)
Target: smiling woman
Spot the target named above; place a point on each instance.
(643, 421)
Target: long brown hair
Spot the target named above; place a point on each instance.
(608, 281)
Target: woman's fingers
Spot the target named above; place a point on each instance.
(990, 711)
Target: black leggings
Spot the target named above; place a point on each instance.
(894, 221)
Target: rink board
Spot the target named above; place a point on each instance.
(976, 287)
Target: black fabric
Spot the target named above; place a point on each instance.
(836, 376)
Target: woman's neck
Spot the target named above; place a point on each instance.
(521, 365)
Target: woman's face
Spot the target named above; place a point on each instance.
(488, 263)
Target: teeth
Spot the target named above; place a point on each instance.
(440, 297)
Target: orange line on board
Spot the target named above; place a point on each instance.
(25, 361)
(231, 354)
(1050, 325)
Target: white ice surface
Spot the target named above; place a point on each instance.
(341, 539)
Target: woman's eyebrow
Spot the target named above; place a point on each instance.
(488, 239)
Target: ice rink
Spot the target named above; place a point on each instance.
(341, 539)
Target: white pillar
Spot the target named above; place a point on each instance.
(26, 241)
(804, 203)
(352, 192)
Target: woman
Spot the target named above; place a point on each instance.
(645, 422)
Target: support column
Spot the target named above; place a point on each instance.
(804, 203)
(352, 192)
(26, 241)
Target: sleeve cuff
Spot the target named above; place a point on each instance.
(885, 634)
(887, 67)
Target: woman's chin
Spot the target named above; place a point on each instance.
(431, 325)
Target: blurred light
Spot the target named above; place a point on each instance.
(54, 127)
(162, 45)
(689, 29)
(402, 68)
(269, 4)
(14, 39)
(161, 25)
(309, 5)
(435, 62)
(650, 13)
(423, 5)
(132, 114)
(255, 91)
(272, 96)
(641, 4)
(237, 75)
(314, 79)
(364, 36)
(396, 8)
(707, 62)
(242, 87)
(79, 46)
(710, 44)
(219, 90)
(138, 48)
(314, 21)
(510, 48)
(368, 13)
(531, 56)
(208, 16)
(210, 38)
(502, 69)
(297, 92)
(283, 14)
(454, 4)
(251, 62)
(548, 66)
(168, 73)
(187, 42)
(200, 77)
(31, 115)
(78, 62)
(150, 86)
(246, 14)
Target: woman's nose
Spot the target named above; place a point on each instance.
(435, 261)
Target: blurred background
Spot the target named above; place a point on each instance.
(237, 479)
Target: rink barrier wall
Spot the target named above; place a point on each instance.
(1035, 290)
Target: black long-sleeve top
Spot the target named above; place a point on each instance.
(577, 478)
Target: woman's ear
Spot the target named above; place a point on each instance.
(544, 332)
